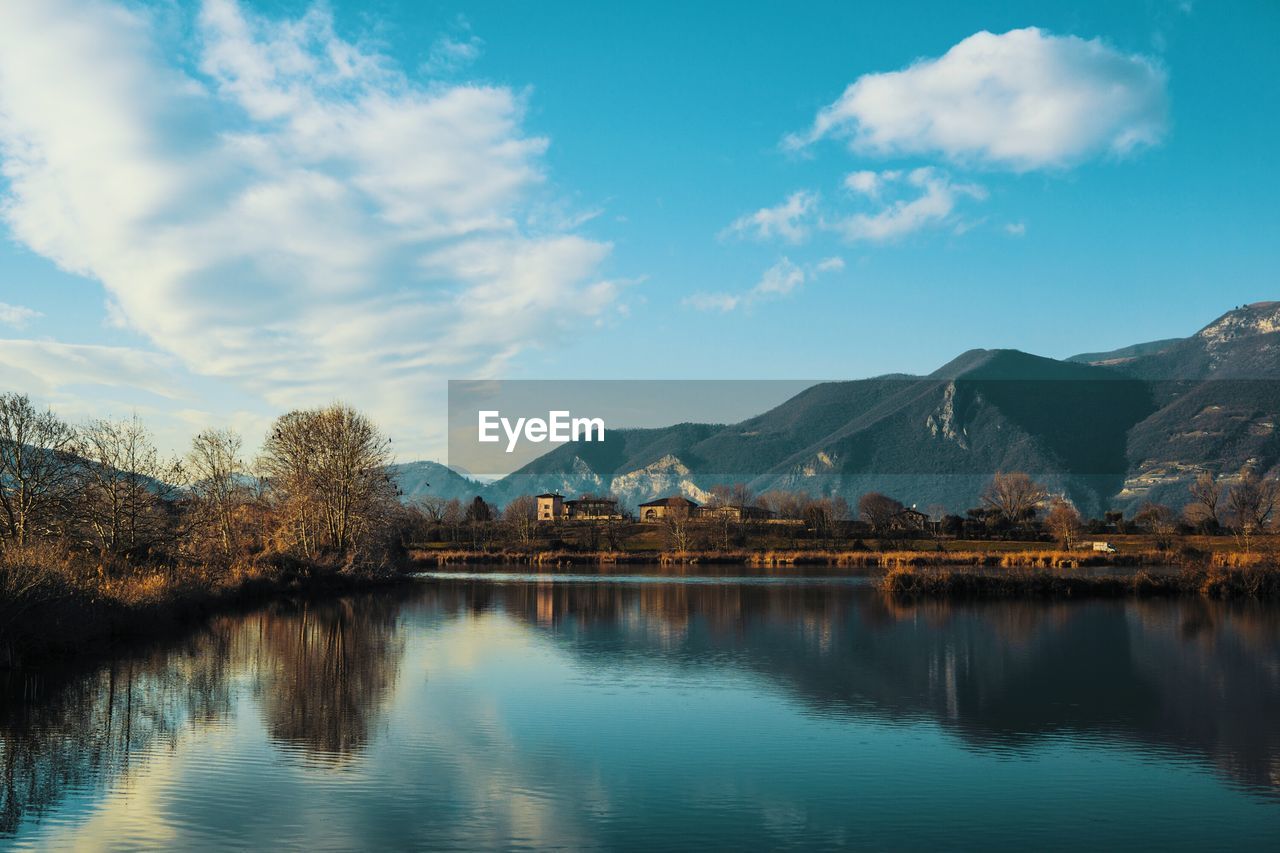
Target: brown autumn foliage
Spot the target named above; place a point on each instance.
(99, 527)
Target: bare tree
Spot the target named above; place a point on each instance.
(1014, 497)
(1251, 502)
(1063, 521)
(1160, 521)
(727, 507)
(219, 484)
(125, 487)
(433, 507)
(782, 503)
(677, 522)
(521, 517)
(328, 472)
(879, 511)
(452, 517)
(1206, 494)
(37, 468)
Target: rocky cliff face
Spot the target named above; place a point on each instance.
(1260, 318)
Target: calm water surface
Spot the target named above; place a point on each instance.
(512, 711)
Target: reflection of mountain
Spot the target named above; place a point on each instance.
(1109, 429)
(1199, 677)
(1195, 679)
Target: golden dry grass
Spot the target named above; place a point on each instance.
(1261, 581)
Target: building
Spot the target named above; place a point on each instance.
(553, 507)
(909, 519)
(732, 512)
(592, 509)
(550, 507)
(663, 507)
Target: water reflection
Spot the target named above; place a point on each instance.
(1198, 676)
(427, 707)
(321, 673)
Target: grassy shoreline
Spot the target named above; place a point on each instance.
(149, 605)
(1030, 557)
(1260, 582)
(1028, 573)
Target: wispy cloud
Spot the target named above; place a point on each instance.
(869, 183)
(43, 367)
(452, 52)
(1015, 229)
(932, 202)
(16, 316)
(788, 221)
(894, 203)
(1022, 100)
(781, 279)
(298, 216)
(723, 302)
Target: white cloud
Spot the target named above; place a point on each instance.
(17, 316)
(449, 54)
(869, 183)
(723, 302)
(781, 279)
(1023, 100)
(787, 220)
(933, 203)
(1015, 229)
(43, 367)
(299, 217)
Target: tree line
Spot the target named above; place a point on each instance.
(320, 490)
(1012, 505)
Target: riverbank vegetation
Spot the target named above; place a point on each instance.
(1261, 581)
(102, 535)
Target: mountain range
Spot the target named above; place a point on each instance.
(1108, 430)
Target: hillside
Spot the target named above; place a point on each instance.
(1106, 429)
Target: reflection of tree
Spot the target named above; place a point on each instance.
(60, 732)
(325, 670)
(1001, 674)
(322, 671)
(1196, 676)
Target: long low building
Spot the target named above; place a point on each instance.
(662, 508)
(553, 507)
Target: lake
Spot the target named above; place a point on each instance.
(637, 712)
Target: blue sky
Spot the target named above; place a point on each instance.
(215, 211)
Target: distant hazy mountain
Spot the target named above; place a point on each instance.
(1107, 429)
(418, 479)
